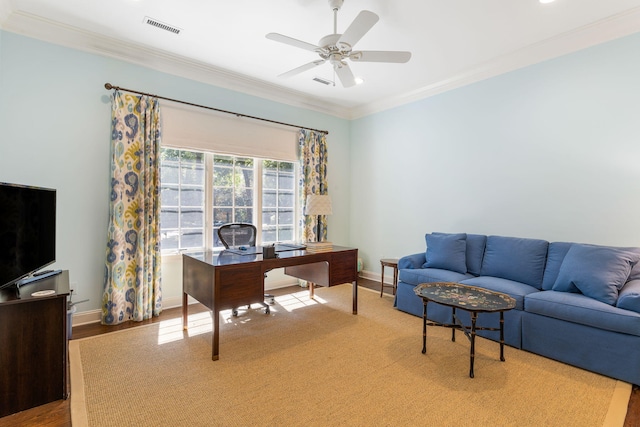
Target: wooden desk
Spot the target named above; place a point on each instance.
(33, 345)
(225, 280)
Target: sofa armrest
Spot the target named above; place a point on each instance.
(412, 261)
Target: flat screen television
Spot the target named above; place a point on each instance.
(27, 231)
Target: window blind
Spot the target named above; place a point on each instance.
(204, 130)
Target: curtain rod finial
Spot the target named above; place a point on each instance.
(108, 86)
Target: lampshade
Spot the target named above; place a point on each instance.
(318, 205)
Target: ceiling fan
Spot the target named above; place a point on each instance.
(336, 48)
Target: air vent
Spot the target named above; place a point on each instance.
(161, 25)
(323, 81)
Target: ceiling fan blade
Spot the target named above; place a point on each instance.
(292, 42)
(358, 28)
(302, 68)
(344, 74)
(380, 56)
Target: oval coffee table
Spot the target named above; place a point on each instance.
(470, 298)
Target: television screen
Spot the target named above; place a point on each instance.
(27, 231)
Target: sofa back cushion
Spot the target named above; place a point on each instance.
(598, 272)
(514, 258)
(447, 252)
(475, 252)
(635, 271)
(629, 296)
(555, 256)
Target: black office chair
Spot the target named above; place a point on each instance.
(236, 235)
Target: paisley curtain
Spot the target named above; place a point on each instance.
(313, 179)
(132, 288)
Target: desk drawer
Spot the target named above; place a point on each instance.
(345, 267)
(239, 286)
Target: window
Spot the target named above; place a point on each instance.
(278, 201)
(182, 193)
(233, 189)
(201, 191)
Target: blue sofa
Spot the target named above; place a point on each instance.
(576, 303)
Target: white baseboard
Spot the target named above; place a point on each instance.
(370, 275)
(86, 317)
(95, 316)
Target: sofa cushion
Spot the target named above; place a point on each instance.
(514, 289)
(555, 256)
(517, 259)
(629, 296)
(635, 271)
(581, 309)
(447, 252)
(428, 275)
(475, 252)
(598, 272)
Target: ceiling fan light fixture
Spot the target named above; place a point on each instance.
(336, 48)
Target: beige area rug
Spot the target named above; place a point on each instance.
(314, 363)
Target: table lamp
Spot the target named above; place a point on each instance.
(318, 205)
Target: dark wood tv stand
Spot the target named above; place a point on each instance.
(33, 345)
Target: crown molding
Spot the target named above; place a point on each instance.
(602, 31)
(5, 11)
(37, 27)
(54, 32)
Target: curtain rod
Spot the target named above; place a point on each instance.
(109, 86)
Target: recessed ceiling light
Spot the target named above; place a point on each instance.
(359, 80)
(546, 1)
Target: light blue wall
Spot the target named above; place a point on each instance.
(54, 132)
(550, 151)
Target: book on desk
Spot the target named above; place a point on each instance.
(319, 246)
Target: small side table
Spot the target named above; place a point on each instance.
(393, 263)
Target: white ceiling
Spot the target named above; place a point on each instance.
(453, 42)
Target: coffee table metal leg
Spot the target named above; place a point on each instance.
(502, 336)
(474, 316)
(424, 326)
(454, 322)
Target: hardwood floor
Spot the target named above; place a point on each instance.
(58, 414)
